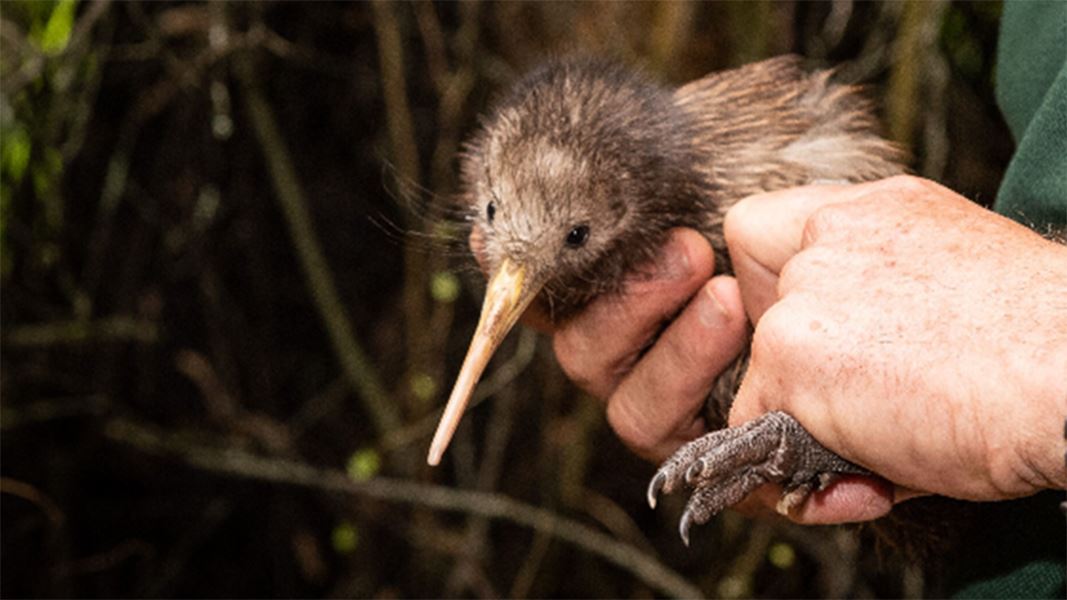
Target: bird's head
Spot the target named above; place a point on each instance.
(572, 182)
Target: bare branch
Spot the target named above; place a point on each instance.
(357, 367)
(109, 329)
(236, 462)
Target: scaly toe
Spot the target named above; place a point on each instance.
(694, 471)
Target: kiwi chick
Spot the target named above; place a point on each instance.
(574, 181)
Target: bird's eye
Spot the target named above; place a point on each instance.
(490, 211)
(577, 237)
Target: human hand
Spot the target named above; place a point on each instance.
(654, 400)
(910, 331)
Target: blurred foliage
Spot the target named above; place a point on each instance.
(364, 464)
(224, 223)
(345, 538)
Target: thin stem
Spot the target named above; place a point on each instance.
(495, 506)
(358, 369)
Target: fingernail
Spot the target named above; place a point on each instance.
(713, 314)
(674, 261)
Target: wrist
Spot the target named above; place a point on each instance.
(1042, 446)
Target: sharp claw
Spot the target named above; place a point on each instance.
(654, 488)
(683, 527)
(694, 471)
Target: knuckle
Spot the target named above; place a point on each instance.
(906, 183)
(826, 221)
(804, 270)
(784, 334)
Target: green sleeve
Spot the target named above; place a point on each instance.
(1020, 551)
(1032, 93)
(1016, 551)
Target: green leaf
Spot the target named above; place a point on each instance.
(57, 30)
(364, 464)
(782, 555)
(423, 386)
(444, 287)
(15, 152)
(345, 538)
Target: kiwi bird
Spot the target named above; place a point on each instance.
(580, 170)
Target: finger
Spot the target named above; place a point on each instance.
(852, 499)
(660, 404)
(599, 346)
(769, 381)
(766, 230)
(901, 493)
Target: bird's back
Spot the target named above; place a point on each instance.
(773, 125)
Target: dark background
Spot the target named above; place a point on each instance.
(231, 311)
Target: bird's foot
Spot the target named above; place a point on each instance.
(724, 466)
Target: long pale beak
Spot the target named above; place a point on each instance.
(507, 296)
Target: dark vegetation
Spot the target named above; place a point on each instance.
(230, 319)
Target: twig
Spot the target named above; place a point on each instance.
(42, 411)
(669, 34)
(487, 478)
(181, 76)
(398, 111)
(104, 561)
(164, 580)
(917, 35)
(318, 407)
(739, 579)
(433, 42)
(110, 329)
(495, 506)
(614, 518)
(935, 96)
(453, 87)
(354, 361)
(80, 33)
(524, 579)
(30, 493)
(223, 408)
(405, 154)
